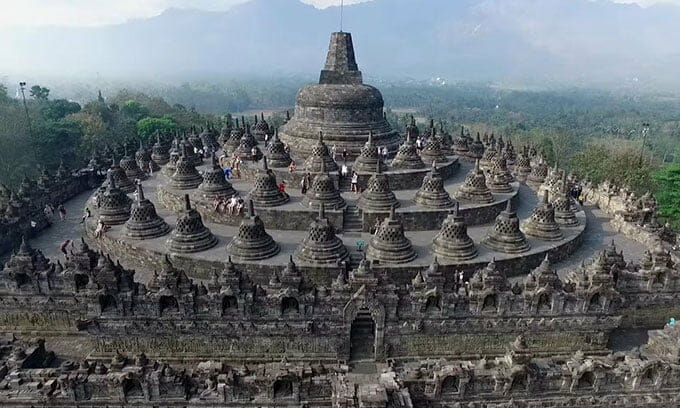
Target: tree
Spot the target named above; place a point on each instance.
(668, 194)
(134, 110)
(39, 93)
(616, 161)
(59, 109)
(147, 127)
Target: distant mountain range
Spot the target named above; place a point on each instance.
(529, 41)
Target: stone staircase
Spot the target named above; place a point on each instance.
(353, 219)
(345, 183)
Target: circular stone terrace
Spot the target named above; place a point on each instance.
(288, 224)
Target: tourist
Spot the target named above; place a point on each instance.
(344, 154)
(227, 173)
(254, 153)
(151, 168)
(266, 139)
(63, 246)
(237, 167)
(581, 199)
(286, 148)
(282, 187)
(304, 183)
(376, 225)
(334, 151)
(48, 210)
(86, 215)
(344, 171)
(231, 206)
(62, 212)
(355, 182)
(239, 206)
(419, 143)
(292, 167)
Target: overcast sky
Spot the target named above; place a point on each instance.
(97, 12)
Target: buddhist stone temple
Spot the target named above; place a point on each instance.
(184, 294)
(350, 109)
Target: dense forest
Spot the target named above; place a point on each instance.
(630, 139)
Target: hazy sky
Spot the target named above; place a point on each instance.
(97, 12)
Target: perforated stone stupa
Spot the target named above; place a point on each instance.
(432, 193)
(378, 196)
(214, 183)
(321, 246)
(340, 106)
(265, 192)
(407, 156)
(190, 235)
(252, 242)
(114, 205)
(389, 245)
(474, 189)
(144, 222)
(453, 241)
(505, 236)
(542, 224)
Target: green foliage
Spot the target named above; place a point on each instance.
(134, 110)
(623, 163)
(147, 127)
(59, 108)
(39, 93)
(668, 193)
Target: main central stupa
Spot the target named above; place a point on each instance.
(340, 106)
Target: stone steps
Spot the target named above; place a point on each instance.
(352, 220)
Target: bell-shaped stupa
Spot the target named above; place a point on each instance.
(378, 196)
(185, 177)
(505, 236)
(190, 235)
(432, 193)
(453, 242)
(323, 191)
(340, 106)
(320, 156)
(114, 204)
(276, 152)
(144, 222)
(369, 158)
(407, 156)
(321, 246)
(542, 224)
(214, 183)
(389, 245)
(252, 243)
(265, 192)
(474, 189)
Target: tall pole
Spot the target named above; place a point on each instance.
(645, 130)
(22, 86)
(342, 6)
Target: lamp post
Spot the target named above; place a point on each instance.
(645, 131)
(22, 87)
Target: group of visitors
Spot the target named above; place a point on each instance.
(230, 206)
(49, 211)
(231, 167)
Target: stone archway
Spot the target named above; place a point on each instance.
(362, 337)
(368, 307)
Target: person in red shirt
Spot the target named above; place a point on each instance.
(282, 187)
